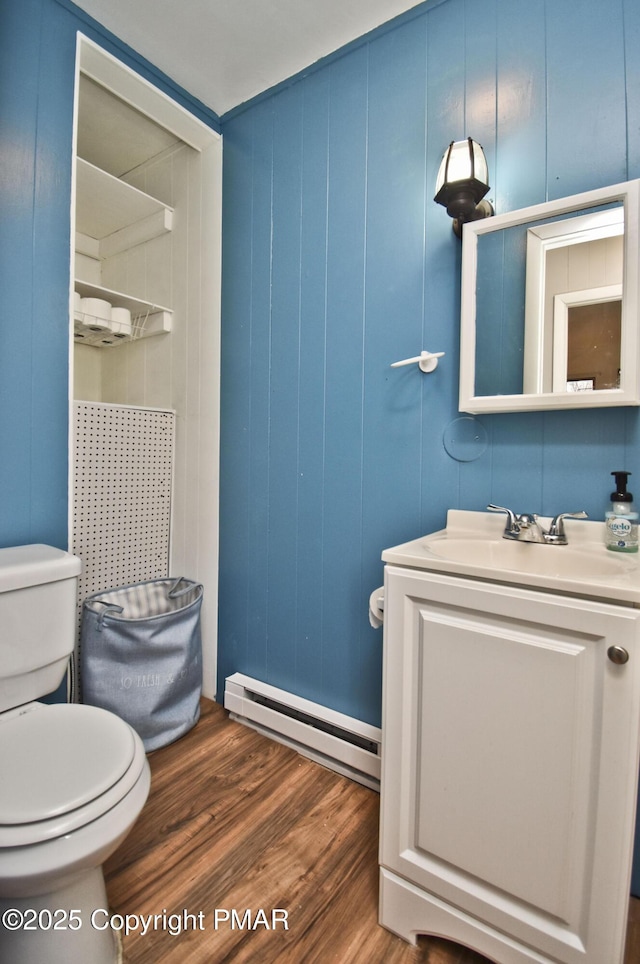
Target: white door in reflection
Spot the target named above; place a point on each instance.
(587, 328)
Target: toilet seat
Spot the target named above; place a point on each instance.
(66, 765)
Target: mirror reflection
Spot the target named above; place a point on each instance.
(573, 300)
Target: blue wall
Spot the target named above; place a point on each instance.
(337, 262)
(36, 83)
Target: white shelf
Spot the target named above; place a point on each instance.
(147, 319)
(137, 306)
(112, 216)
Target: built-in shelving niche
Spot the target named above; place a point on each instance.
(147, 237)
(113, 217)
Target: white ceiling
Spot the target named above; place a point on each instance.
(226, 51)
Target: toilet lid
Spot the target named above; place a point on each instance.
(54, 759)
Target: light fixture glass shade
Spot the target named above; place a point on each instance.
(462, 182)
(463, 161)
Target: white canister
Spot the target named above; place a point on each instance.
(97, 313)
(121, 322)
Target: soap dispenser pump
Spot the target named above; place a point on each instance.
(621, 519)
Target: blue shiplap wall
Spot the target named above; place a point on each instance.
(337, 262)
(34, 275)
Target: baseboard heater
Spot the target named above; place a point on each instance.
(339, 742)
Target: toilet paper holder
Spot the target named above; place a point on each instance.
(427, 361)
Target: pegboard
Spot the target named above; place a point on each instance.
(123, 467)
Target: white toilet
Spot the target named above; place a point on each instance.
(73, 778)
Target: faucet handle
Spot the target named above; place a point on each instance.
(500, 508)
(556, 534)
(511, 528)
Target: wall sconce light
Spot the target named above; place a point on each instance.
(463, 181)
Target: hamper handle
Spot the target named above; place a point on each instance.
(108, 607)
(175, 593)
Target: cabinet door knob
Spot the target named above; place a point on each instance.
(618, 655)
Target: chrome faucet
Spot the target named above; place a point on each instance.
(526, 528)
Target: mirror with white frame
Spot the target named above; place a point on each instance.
(550, 301)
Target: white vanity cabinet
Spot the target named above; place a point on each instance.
(509, 769)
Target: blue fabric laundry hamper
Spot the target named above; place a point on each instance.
(141, 656)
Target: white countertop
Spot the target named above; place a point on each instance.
(476, 549)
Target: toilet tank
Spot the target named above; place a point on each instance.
(38, 600)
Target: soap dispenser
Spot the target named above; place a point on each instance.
(621, 519)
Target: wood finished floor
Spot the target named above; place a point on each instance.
(236, 821)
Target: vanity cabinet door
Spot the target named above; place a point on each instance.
(510, 762)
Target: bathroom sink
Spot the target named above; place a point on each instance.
(529, 557)
(472, 546)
